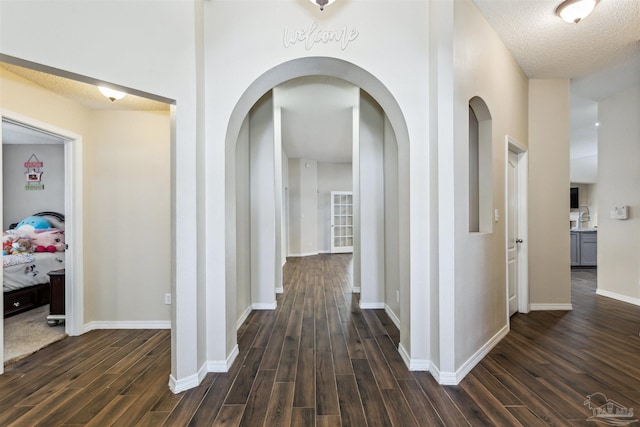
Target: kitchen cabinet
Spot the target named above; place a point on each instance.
(584, 248)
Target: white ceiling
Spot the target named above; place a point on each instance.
(601, 56)
(317, 118)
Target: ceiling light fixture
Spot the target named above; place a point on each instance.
(322, 3)
(112, 94)
(574, 11)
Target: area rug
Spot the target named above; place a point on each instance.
(26, 333)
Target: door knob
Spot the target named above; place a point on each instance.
(519, 240)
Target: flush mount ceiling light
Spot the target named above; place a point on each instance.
(322, 3)
(112, 94)
(574, 11)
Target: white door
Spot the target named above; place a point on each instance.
(513, 239)
(341, 221)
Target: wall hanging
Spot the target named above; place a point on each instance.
(34, 173)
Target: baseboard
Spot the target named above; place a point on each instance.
(619, 297)
(371, 305)
(280, 290)
(550, 307)
(159, 324)
(243, 317)
(392, 316)
(454, 378)
(355, 289)
(304, 254)
(324, 252)
(413, 364)
(178, 386)
(264, 305)
(223, 365)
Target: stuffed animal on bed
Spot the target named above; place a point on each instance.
(50, 240)
(21, 246)
(32, 223)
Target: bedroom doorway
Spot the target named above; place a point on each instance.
(47, 191)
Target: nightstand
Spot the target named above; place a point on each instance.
(56, 305)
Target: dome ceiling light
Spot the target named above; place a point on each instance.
(322, 3)
(574, 11)
(112, 94)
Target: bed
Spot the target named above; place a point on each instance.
(25, 279)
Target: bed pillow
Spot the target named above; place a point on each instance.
(54, 218)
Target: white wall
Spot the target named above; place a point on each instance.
(371, 209)
(263, 205)
(18, 202)
(129, 168)
(549, 264)
(476, 312)
(391, 226)
(618, 180)
(331, 177)
(243, 223)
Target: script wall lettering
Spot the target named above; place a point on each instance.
(313, 35)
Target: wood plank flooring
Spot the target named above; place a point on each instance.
(318, 360)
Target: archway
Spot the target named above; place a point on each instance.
(332, 67)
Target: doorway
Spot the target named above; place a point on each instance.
(24, 131)
(516, 228)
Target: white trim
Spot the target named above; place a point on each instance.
(619, 297)
(413, 364)
(435, 372)
(475, 359)
(280, 290)
(392, 316)
(324, 252)
(223, 365)
(178, 386)
(371, 305)
(243, 317)
(550, 307)
(264, 305)
(144, 324)
(355, 289)
(304, 254)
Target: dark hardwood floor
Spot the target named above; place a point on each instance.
(318, 360)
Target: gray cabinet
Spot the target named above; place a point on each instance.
(584, 248)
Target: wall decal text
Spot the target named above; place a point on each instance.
(314, 34)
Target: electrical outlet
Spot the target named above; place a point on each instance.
(167, 299)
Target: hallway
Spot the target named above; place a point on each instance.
(319, 360)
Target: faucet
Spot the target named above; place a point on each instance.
(581, 215)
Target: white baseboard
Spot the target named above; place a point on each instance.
(178, 386)
(392, 316)
(550, 307)
(223, 365)
(371, 305)
(413, 364)
(324, 252)
(264, 305)
(619, 297)
(454, 378)
(280, 290)
(355, 289)
(243, 317)
(304, 254)
(158, 324)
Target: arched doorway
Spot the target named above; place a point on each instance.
(331, 67)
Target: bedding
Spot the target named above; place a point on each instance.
(25, 279)
(32, 271)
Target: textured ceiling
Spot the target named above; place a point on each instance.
(84, 94)
(547, 47)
